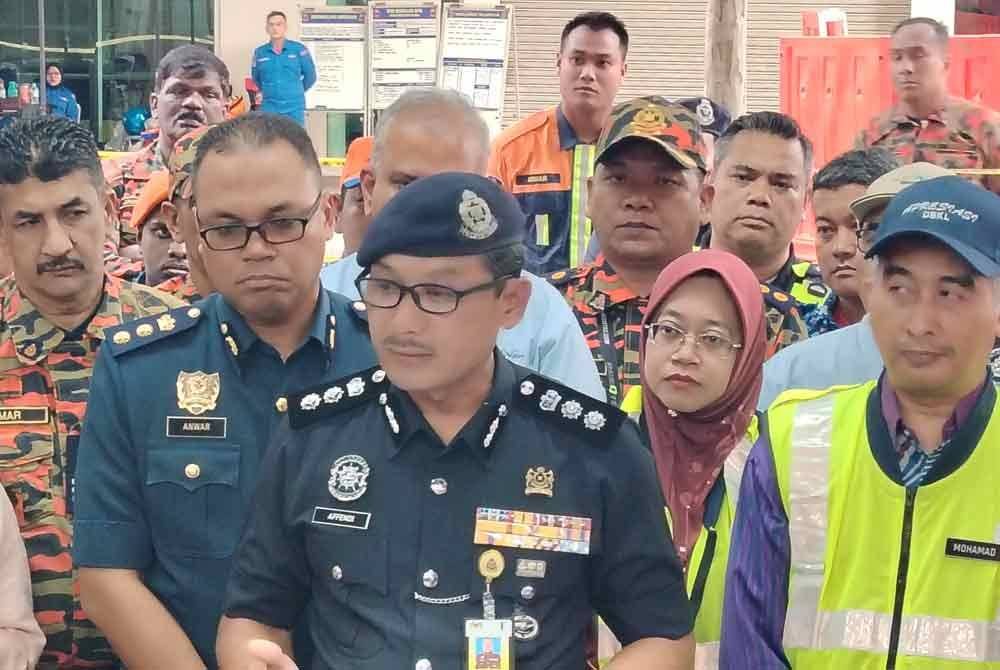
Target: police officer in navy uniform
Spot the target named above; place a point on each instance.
(182, 404)
(449, 501)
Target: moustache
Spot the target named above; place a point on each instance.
(406, 343)
(58, 265)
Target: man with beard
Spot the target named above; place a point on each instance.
(56, 310)
(167, 469)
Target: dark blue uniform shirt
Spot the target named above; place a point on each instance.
(180, 411)
(388, 577)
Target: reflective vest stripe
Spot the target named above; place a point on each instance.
(809, 470)
(928, 636)
(579, 224)
(706, 656)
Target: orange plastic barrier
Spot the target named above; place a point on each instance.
(833, 86)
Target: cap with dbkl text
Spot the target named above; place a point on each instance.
(448, 214)
(963, 216)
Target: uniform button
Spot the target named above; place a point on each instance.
(423, 664)
(430, 579)
(337, 573)
(439, 486)
(192, 471)
(528, 592)
(281, 404)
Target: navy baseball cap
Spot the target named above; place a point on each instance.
(961, 215)
(448, 214)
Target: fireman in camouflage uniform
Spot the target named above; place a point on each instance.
(181, 222)
(54, 309)
(191, 90)
(644, 203)
(927, 124)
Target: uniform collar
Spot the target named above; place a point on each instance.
(605, 287)
(479, 435)
(240, 338)
(939, 115)
(785, 278)
(567, 136)
(34, 337)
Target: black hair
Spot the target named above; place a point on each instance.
(859, 166)
(505, 261)
(257, 130)
(194, 61)
(271, 15)
(48, 148)
(940, 30)
(771, 123)
(597, 21)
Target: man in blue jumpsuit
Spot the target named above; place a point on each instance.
(183, 403)
(284, 71)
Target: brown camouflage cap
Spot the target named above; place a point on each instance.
(669, 125)
(181, 161)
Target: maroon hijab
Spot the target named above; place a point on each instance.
(690, 449)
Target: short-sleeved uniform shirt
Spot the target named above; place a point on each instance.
(45, 375)
(610, 315)
(369, 522)
(963, 135)
(284, 78)
(171, 454)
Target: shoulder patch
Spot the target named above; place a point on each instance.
(561, 278)
(137, 333)
(570, 410)
(319, 402)
(777, 299)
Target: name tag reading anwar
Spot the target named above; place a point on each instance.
(982, 551)
(531, 530)
(13, 415)
(202, 426)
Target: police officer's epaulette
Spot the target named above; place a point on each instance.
(140, 332)
(319, 402)
(575, 412)
(778, 300)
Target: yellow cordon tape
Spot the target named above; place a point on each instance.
(324, 160)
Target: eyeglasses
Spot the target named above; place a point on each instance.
(431, 298)
(866, 233)
(674, 338)
(233, 236)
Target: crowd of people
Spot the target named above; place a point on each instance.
(568, 399)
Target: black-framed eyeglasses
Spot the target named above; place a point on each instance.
(672, 337)
(866, 233)
(233, 236)
(431, 298)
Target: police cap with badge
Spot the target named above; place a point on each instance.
(448, 214)
(713, 118)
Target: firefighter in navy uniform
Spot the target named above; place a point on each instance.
(449, 501)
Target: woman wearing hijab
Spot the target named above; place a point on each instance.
(61, 100)
(702, 366)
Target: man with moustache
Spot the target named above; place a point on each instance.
(56, 310)
(167, 469)
(449, 496)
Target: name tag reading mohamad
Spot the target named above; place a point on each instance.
(982, 551)
(12, 415)
(201, 426)
(531, 530)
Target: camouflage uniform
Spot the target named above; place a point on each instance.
(963, 135)
(127, 176)
(43, 397)
(119, 266)
(610, 316)
(181, 288)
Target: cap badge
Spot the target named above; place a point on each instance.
(649, 120)
(706, 115)
(477, 219)
(348, 478)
